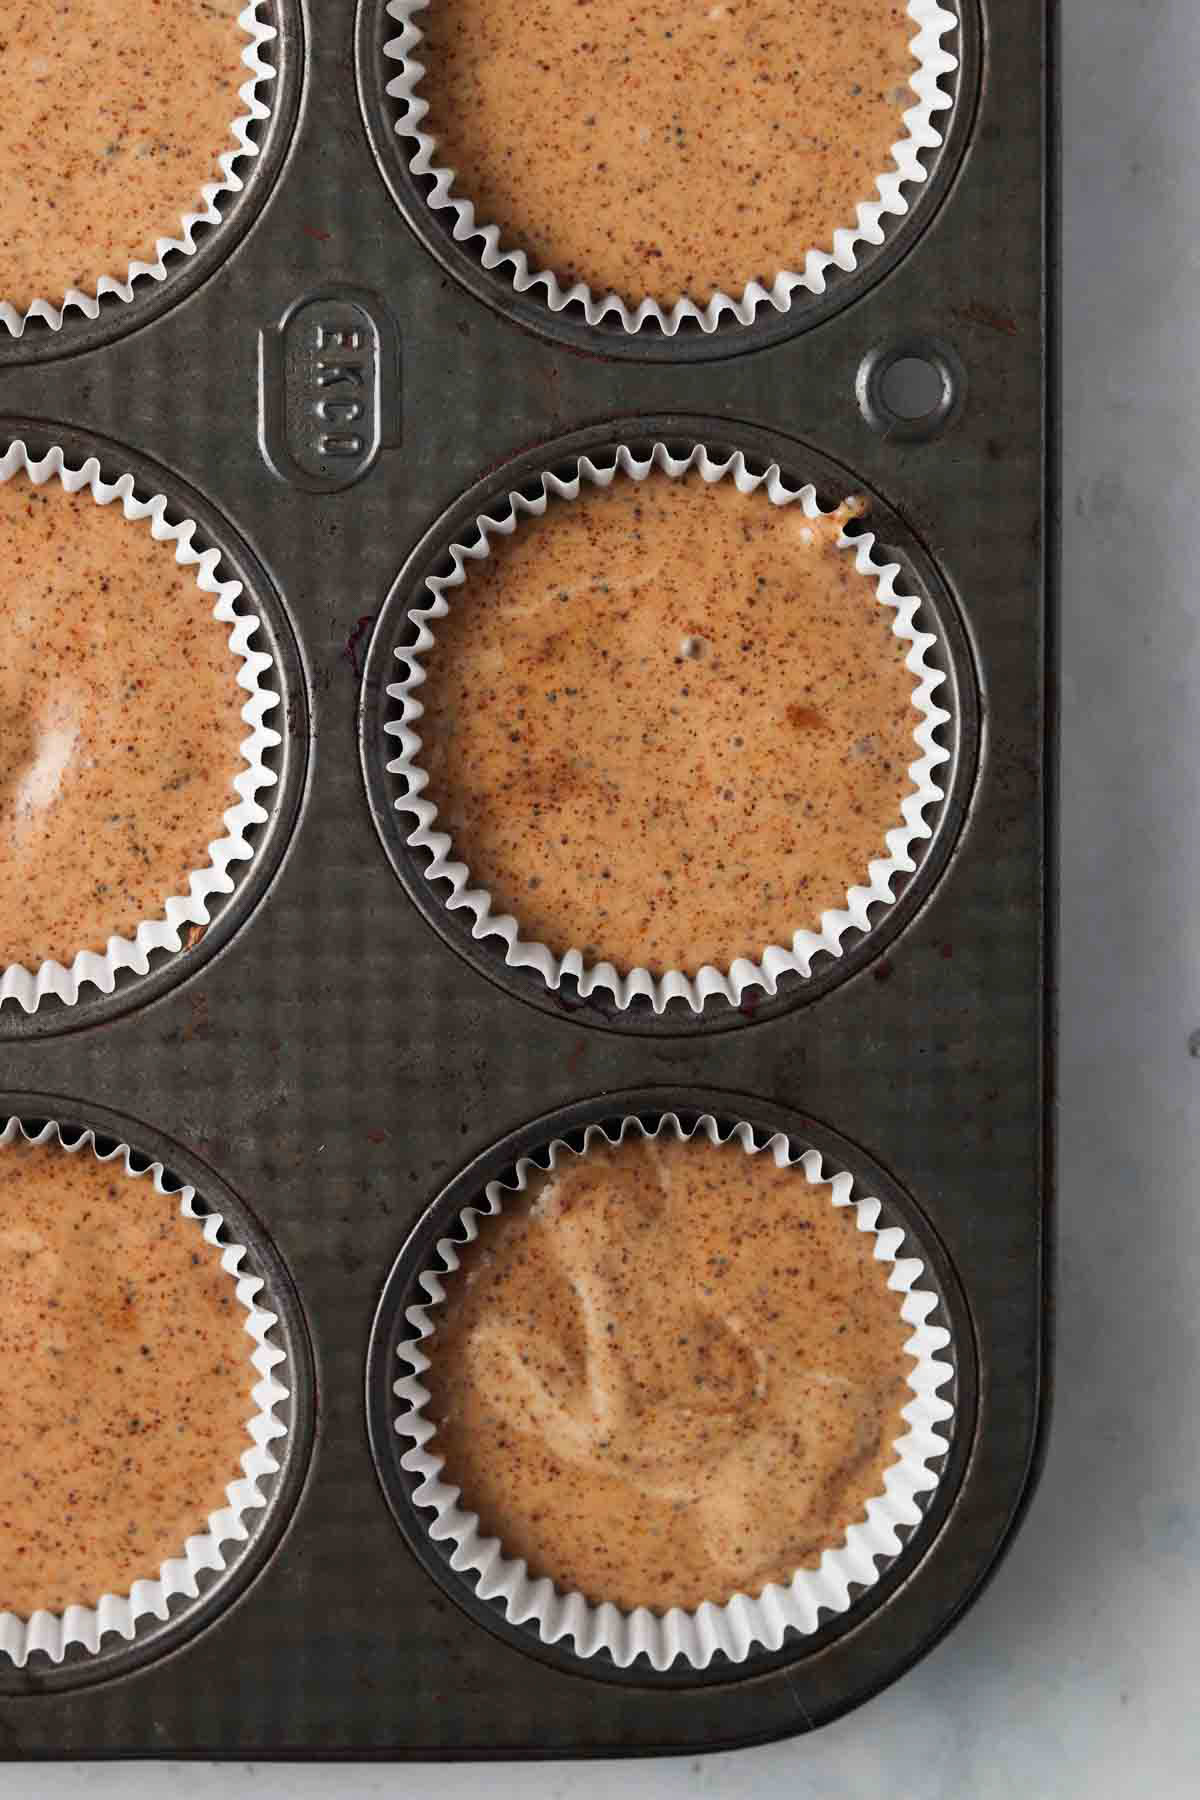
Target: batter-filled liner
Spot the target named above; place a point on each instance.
(53, 1633)
(254, 22)
(695, 986)
(735, 1628)
(867, 223)
(251, 669)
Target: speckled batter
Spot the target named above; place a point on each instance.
(670, 149)
(668, 724)
(130, 1379)
(112, 118)
(121, 724)
(668, 1373)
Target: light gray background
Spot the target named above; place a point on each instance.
(1076, 1674)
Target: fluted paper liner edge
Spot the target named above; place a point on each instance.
(934, 21)
(735, 1627)
(206, 212)
(709, 982)
(100, 968)
(54, 1633)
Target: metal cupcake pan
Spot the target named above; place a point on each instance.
(330, 1059)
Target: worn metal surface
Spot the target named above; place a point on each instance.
(328, 1056)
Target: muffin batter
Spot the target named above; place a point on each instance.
(121, 724)
(125, 1414)
(114, 118)
(666, 150)
(668, 724)
(668, 1373)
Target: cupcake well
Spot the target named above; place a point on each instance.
(100, 967)
(734, 1629)
(867, 224)
(443, 863)
(178, 1579)
(256, 23)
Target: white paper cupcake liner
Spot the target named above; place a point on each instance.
(255, 22)
(776, 959)
(746, 1620)
(933, 20)
(29, 987)
(54, 1633)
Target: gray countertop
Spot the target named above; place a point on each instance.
(1075, 1674)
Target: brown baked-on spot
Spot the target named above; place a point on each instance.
(805, 718)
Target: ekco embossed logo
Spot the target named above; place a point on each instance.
(329, 389)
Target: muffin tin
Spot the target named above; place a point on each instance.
(337, 1068)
